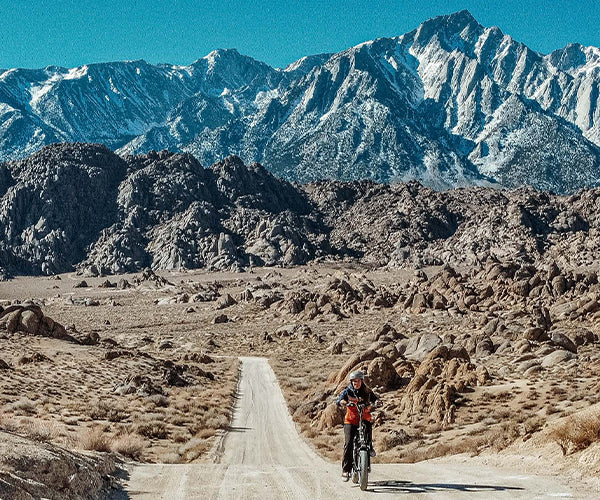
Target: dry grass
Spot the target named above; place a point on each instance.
(129, 445)
(42, 430)
(576, 432)
(153, 430)
(94, 438)
(105, 410)
(23, 406)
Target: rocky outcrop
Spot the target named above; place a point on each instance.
(29, 318)
(76, 205)
(445, 372)
(30, 469)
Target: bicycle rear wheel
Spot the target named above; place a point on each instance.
(363, 469)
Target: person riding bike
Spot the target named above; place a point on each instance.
(356, 392)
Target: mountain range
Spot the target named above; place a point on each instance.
(451, 103)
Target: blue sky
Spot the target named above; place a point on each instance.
(37, 33)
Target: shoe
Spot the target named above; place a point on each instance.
(345, 476)
(373, 453)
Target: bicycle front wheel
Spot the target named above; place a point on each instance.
(363, 469)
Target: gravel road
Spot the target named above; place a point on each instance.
(263, 457)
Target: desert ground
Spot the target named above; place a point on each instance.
(494, 367)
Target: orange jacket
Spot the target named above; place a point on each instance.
(364, 395)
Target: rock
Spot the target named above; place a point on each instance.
(420, 302)
(386, 330)
(91, 338)
(556, 358)
(30, 321)
(198, 357)
(559, 285)
(532, 370)
(172, 375)
(36, 357)
(221, 318)
(107, 284)
(337, 346)
(4, 365)
(395, 437)
(583, 336)
(331, 417)
(167, 344)
(491, 327)
(123, 284)
(536, 334)
(357, 360)
(426, 343)
(225, 301)
(560, 339)
(482, 374)
(382, 374)
(81, 284)
(114, 354)
(11, 319)
(138, 384)
(485, 347)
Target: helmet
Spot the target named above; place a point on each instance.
(357, 374)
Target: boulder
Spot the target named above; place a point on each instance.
(331, 417)
(30, 321)
(561, 340)
(484, 347)
(337, 346)
(556, 358)
(220, 318)
(388, 331)
(426, 343)
(225, 301)
(382, 374)
(352, 364)
(583, 336)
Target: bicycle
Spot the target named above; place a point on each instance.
(361, 458)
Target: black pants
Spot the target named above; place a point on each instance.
(349, 432)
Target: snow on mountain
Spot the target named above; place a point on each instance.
(449, 103)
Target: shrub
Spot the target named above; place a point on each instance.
(576, 433)
(94, 439)
(129, 445)
(42, 430)
(154, 429)
(22, 406)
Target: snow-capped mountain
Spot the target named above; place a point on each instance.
(450, 103)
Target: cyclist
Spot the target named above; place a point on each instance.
(356, 392)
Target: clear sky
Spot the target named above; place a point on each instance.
(37, 33)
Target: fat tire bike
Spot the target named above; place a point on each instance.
(361, 454)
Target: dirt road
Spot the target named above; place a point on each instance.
(263, 457)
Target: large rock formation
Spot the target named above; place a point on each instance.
(77, 205)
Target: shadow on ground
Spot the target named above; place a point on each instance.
(410, 487)
(117, 492)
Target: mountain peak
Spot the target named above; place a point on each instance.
(449, 29)
(568, 58)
